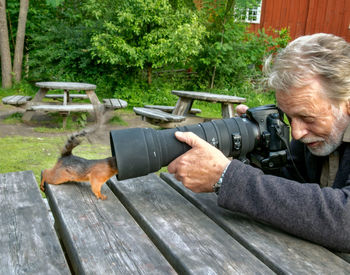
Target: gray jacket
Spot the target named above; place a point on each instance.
(321, 215)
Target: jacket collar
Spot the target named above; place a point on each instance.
(346, 137)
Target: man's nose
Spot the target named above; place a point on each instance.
(299, 129)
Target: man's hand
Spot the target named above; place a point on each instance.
(199, 168)
(241, 109)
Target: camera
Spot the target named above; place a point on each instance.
(260, 137)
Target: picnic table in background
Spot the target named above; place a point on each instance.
(183, 113)
(67, 105)
(148, 225)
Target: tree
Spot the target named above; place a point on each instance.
(6, 68)
(21, 30)
(5, 48)
(143, 33)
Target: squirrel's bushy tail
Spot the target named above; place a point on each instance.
(72, 142)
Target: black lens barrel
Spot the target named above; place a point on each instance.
(140, 151)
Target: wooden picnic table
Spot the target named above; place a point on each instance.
(148, 225)
(186, 99)
(37, 103)
(67, 105)
(183, 113)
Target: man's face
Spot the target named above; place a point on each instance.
(313, 118)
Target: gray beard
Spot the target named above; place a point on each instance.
(336, 136)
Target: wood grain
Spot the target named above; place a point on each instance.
(100, 236)
(280, 251)
(28, 242)
(191, 241)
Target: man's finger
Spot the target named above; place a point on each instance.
(190, 138)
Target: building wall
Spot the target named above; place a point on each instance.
(306, 17)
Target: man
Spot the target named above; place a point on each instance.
(311, 77)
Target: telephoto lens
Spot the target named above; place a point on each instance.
(140, 151)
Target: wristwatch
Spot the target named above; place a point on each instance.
(217, 186)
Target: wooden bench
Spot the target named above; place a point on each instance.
(16, 100)
(155, 114)
(63, 108)
(108, 104)
(170, 109)
(29, 244)
(114, 103)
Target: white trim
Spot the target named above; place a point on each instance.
(252, 15)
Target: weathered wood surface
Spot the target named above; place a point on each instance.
(210, 97)
(73, 96)
(227, 110)
(281, 252)
(62, 108)
(66, 86)
(183, 106)
(157, 114)
(170, 109)
(114, 103)
(101, 237)
(28, 242)
(191, 241)
(16, 100)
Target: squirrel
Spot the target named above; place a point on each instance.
(73, 168)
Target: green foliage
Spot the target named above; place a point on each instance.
(231, 56)
(114, 43)
(138, 93)
(21, 88)
(142, 33)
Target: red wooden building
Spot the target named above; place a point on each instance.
(305, 17)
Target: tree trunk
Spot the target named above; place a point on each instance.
(149, 74)
(5, 48)
(21, 30)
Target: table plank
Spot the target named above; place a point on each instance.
(63, 108)
(100, 236)
(191, 241)
(56, 96)
(170, 109)
(28, 242)
(282, 252)
(209, 97)
(77, 86)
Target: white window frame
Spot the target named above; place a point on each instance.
(251, 15)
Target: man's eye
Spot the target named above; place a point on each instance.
(308, 119)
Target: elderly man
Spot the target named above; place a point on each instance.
(311, 77)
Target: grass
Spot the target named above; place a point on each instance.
(18, 153)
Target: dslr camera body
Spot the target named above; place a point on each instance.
(260, 138)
